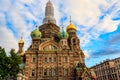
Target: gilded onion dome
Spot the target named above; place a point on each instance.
(63, 34)
(21, 41)
(71, 26)
(36, 33)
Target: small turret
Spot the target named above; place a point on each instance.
(73, 39)
(63, 34)
(63, 39)
(21, 45)
(71, 26)
(35, 35)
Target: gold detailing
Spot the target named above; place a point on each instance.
(21, 40)
(71, 25)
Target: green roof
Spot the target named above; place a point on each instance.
(36, 34)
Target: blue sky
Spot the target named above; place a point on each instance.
(97, 22)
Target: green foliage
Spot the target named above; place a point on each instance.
(3, 63)
(9, 65)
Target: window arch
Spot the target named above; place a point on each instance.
(50, 47)
(45, 59)
(74, 41)
(33, 72)
(45, 72)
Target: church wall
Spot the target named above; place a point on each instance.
(50, 61)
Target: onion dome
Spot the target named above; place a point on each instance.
(63, 34)
(71, 26)
(21, 41)
(36, 33)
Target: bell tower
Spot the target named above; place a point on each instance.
(73, 39)
(49, 13)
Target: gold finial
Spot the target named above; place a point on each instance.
(21, 35)
(70, 20)
(36, 25)
(21, 40)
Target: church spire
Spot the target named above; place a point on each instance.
(49, 13)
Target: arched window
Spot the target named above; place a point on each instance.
(74, 42)
(33, 72)
(65, 59)
(50, 59)
(45, 60)
(55, 72)
(66, 72)
(50, 72)
(50, 47)
(55, 59)
(45, 72)
(33, 60)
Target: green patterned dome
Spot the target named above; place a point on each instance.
(36, 34)
(63, 34)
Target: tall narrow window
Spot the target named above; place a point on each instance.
(33, 72)
(50, 72)
(55, 59)
(66, 72)
(55, 72)
(74, 41)
(33, 60)
(50, 59)
(65, 59)
(55, 48)
(45, 72)
(45, 59)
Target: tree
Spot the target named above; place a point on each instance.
(9, 65)
(3, 64)
(14, 59)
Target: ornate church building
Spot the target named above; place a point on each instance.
(54, 54)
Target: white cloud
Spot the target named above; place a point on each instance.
(108, 25)
(2, 20)
(83, 12)
(7, 39)
(87, 55)
(88, 12)
(5, 5)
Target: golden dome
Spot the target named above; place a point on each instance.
(71, 26)
(21, 41)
